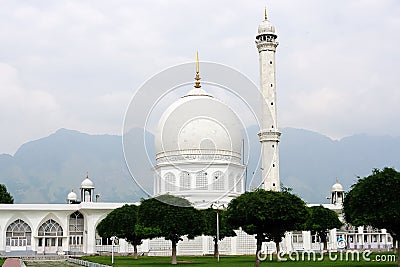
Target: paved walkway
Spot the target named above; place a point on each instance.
(12, 262)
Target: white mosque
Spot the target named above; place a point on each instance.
(198, 157)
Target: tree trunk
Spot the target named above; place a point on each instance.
(173, 261)
(258, 251)
(216, 250)
(277, 251)
(135, 256)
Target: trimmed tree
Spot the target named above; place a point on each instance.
(171, 217)
(320, 220)
(122, 223)
(380, 210)
(267, 214)
(5, 196)
(210, 226)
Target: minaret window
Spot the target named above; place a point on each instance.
(270, 62)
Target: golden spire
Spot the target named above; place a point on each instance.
(265, 13)
(197, 78)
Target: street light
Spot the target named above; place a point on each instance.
(113, 239)
(217, 206)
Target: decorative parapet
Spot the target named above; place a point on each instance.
(199, 155)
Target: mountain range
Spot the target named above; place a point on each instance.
(45, 170)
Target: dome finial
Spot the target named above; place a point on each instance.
(265, 13)
(337, 180)
(197, 78)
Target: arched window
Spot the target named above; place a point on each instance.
(52, 233)
(50, 228)
(218, 181)
(201, 181)
(76, 228)
(170, 182)
(185, 181)
(18, 234)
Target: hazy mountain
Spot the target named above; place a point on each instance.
(45, 170)
(310, 162)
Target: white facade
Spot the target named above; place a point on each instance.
(51, 228)
(269, 134)
(71, 229)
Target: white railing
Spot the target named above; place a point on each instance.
(86, 263)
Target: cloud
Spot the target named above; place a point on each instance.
(22, 109)
(79, 61)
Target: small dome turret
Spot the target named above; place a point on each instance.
(87, 190)
(87, 183)
(72, 197)
(337, 187)
(337, 193)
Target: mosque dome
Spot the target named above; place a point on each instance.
(198, 125)
(87, 183)
(72, 196)
(337, 187)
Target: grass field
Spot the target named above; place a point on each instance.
(235, 261)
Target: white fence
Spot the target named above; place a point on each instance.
(86, 263)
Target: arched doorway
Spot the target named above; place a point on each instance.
(50, 235)
(76, 228)
(18, 236)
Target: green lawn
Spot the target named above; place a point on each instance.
(236, 261)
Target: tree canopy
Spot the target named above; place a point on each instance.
(5, 196)
(122, 223)
(170, 217)
(267, 214)
(374, 201)
(320, 220)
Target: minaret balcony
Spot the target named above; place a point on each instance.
(265, 136)
(266, 46)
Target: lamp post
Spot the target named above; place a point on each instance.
(113, 239)
(217, 206)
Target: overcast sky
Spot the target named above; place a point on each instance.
(76, 64)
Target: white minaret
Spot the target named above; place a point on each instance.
(269, 134)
